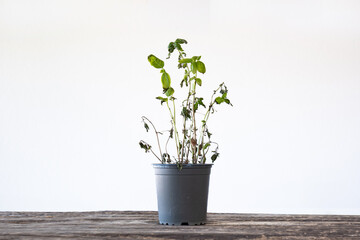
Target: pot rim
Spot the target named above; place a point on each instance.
(173, 165)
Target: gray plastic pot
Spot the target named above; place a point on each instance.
(182, 194)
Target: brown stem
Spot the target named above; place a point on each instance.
(156, 132)
(152, 150)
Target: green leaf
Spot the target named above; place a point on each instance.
(223, 88)
(182, 83)
(171, 47)
(179, 166)
(224, 92)
(208, 133)
(182, 65)
(162, 99)
(185, 113)
(181, 41)
(219, 100)
(155, 62)
(228, 101)
(171, 132)
(178, 46)
(165, 158)
(193, 67)
(170, 91)
(145, 146)
(214, 156)
(198, 81)
(200, 66)
(185, 80)
(146, 127)
(199, 102)
(180, 146)
(206, 145)
(185, 60)
(165, 80)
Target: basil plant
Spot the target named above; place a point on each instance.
(189, 131)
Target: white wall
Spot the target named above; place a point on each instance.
(74, 82)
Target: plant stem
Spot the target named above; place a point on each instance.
(194, 122)
(156, 155)
(176, 132)
(157, 136)
(184, 125)
(206, 118)
(151, 150)
(174, 125)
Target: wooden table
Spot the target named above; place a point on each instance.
(144, 225)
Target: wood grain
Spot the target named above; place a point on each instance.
(144, 225)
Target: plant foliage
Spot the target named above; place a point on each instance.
(193, 139)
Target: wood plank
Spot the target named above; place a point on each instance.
(144, 225)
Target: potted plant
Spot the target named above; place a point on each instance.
(182, 178)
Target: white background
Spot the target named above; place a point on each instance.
(75, 81)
